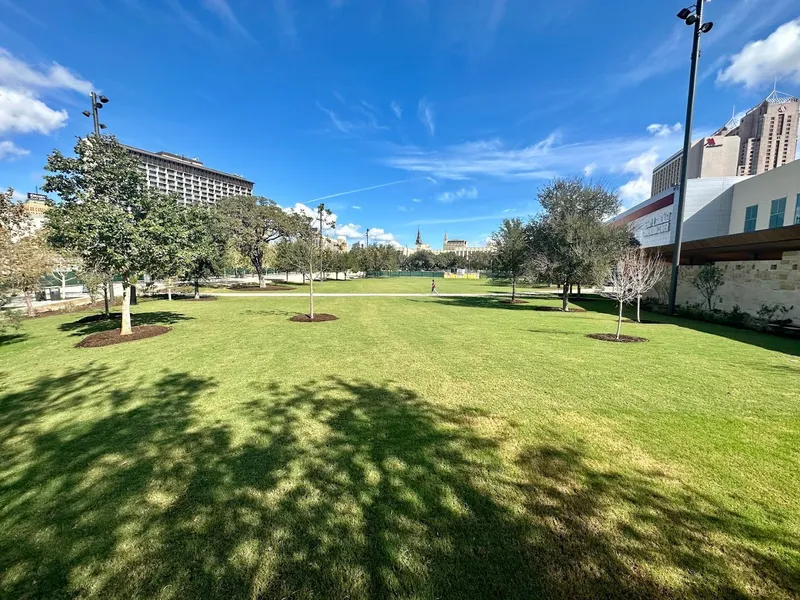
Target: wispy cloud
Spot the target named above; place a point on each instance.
(20, 11)
(190, 21)
(425, 114)
(396, 109)
(10, 151)
(448, 197)
(417, 200)
(366, 189)
(16, 73)
(354, 207)
(457, 220)
(225, 13)
(284, 11)
(362, 119)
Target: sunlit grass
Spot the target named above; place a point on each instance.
(415, 448)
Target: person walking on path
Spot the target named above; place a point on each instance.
(433, 287)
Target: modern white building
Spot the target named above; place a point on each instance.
(193, 182)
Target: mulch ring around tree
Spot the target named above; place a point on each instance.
(572, 309)
(269, 288)
(515, 301)
(610, 337)
(318, 318)
(108, 338)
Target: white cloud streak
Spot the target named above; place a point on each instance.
(17, 74)
(460, 194)
(9, 150)
(776, 56)
(225, 13)
(396, 109)
(425, 115)
(366, 189)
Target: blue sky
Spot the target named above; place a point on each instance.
(454, 113)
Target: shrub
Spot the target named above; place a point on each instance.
(707, 281)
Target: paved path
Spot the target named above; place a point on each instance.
(369, 295)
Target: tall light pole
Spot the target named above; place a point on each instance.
(367, 238)
(97, 103)
(692, 15)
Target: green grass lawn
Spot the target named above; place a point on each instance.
(415, 448)
(407, 285)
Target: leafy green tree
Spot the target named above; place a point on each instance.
(103, 213)
(512, 251)
(168, 229)
(421, 260)
(207, 244)
(570, 242)
(13, 223)
(708, 281)
(254, 223)
(304, 252)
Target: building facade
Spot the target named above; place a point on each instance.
(35, 208)
(193, 182)
(765, 138)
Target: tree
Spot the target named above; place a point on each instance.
(103, 214)
(707, 281)
(304, 252)
(29, 262)
(92, 281)
(570, 242)
(207, 241)
(648, 270)
(421, 260)
(254, 223)
(512, 251)
(622, 281)
(13, 224)
(64, 264)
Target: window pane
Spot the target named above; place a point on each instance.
(797, 211)
(776, 213)
(750, 218)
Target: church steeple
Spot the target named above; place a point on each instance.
(419, 238)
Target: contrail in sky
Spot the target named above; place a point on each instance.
(366, 189)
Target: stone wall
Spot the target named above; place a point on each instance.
(749, 284)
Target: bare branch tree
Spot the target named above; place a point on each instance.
(622, 279)
(648, 270)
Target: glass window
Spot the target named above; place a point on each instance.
(797, 211)
(750, 216)
(776, 213)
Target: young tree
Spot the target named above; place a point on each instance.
(648, 270)
(570, 241)
(512, 251)
(622, 282)
(30, 261)
(254, 223)
(64, 264)
(103, 213)
(707, 281)
(305, 253)
(92, 281)
(13, 224)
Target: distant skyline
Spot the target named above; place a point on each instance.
(397, 114)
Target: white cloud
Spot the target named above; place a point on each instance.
(637, 190)
(401, 208)
(18, 196)
(350, 231)
(396, 109)
(425, 114)
(365, 121)
(509, 210)
(17, 74)
(448, 197)
(9, 150)
(354, 207)
(763, 60)
(589, 169)
(227, 16)
(659, 130)
(376, 234)
(417, 200)
(22, 112)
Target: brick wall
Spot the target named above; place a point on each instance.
(751, 283)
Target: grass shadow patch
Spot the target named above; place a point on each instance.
(7, 339)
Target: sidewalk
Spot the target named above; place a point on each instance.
(372, 295)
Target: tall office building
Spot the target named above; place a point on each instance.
(763, 139)
(193, 182)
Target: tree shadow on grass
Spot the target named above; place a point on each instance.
(338, 489)
(12, 338)
(746, 336)
(95, 323)
(487, 302)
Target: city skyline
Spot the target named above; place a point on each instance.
(396, 118)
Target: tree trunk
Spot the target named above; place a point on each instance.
(311, 298)
(28, 302)
(565, 297)
(619, 319)
(513, 289)
(110, 290)
(169, 289)
(196, 289)
(63, 287)
(125, 328)
(579, 289)
(261, 282)
(105, 298)
(570, 288)
(287, 276)
(639, 308)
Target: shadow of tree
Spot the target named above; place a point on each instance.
(746, 336)
(340, 489)
(12, 338)
(487, 302)
(94, 323)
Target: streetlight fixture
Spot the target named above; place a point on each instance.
(692, 15)
(97, 103)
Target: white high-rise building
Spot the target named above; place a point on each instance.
(193, 182)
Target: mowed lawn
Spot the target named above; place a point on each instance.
(401, 285)
(415, 448)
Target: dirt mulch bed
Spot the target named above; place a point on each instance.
(108, 338)
(558, 309)
(610, 337)
(255, 288)
(643, 322)
(516, 301)
(318, 318)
